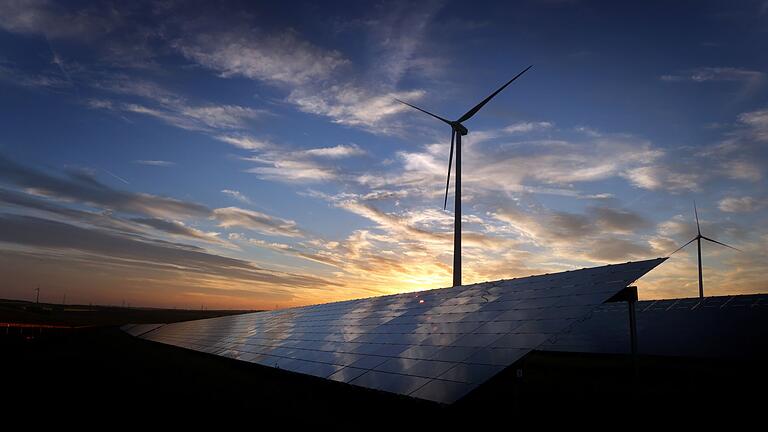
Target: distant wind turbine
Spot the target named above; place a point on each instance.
(698, 240)
(457, 131)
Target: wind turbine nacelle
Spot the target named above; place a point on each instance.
(458, 127)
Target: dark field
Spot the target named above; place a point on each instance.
(102, 371)
(15, 311)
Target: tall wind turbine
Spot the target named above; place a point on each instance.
(699, 237)
(457, 131)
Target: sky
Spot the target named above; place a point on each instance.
(251, 155)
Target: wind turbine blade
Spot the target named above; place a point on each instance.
(448, 181)
(696, 212)
(721, 243)
(678, 249)
(477, 107)
(424, 111)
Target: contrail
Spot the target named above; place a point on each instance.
(116, 176)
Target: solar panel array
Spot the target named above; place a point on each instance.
(725, 326)
(436, 345)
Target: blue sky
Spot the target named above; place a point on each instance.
(232, 154)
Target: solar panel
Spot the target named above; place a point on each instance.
(139, 329)
(719, 327)
(436, 345)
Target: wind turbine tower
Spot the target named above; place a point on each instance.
(457, 131)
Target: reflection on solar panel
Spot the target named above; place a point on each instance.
(436, 345)
(728, 326)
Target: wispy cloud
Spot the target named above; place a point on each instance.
(750, 80)
(237, 195)
(229, 217)
(244, 142)
(524, 127)
(51, 19)
(141, 253)
(757, 121)
(176, 228)
(336, 152)
(743, 204)
(320, 80)
(86, 189)
(46, 80)
(601, 234)
(502, 160)
(208, 118)
(291, 171)
(738, 155)
(155, 162)
(704, 74)
(664, 177)
(354, 106)
(283, 58)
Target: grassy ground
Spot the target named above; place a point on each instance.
(15, 311)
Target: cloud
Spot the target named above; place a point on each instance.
(81, 187)
(142, 254)
(41, 205)
(499, 160)
(47, 80)
(244, 142)
(50, 19)
(116, 31)
(176, 228)
(560, 227)
(596, 235)
(281, 163)
(121, 93)
(157, 163)
(424, 228)
(742, 204)
(282, 58)
(704, 74)
(682, 228)
(320, 81)
(663, 177)
(525, 127)
(229, 217)
(397, 46)
(614, 250)
(757, 121)
(397, 38)
(207, 118)
(292, 171)
(751, 81)
(739, 155)
(614, 220)
(337, 152)
(354, 106)
(237, 195)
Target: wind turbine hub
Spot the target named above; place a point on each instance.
(458, 127)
